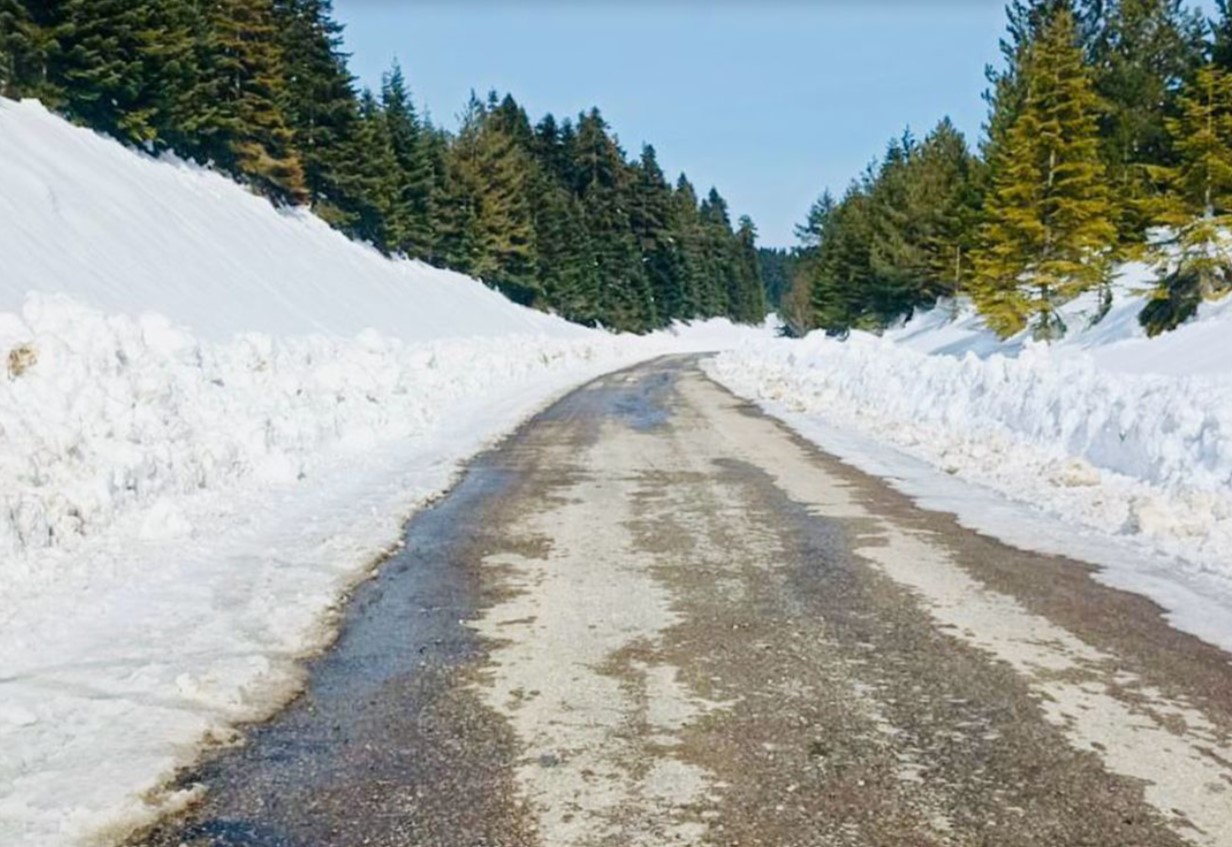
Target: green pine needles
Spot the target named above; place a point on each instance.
(1109, 138)
(1048, 228)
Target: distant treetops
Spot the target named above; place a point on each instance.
(554, 214)
(1109, 137)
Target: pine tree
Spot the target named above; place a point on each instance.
(493, 229)
(841, 268)
(192, 119)
(457, 240)
(810, 232)
(1146, 50)
(651, 219)
(99, 64)
(13, 21)
(318, 101)
(1049, 231)
(30, 34)
(603, 184)
(897, 257)
(247, 64)
(719, 282)
(750, 303)
(944, 201)
(690, 238)
(565, 262)
(369, 184)
(1196, 262)
(415, 176)
(21, 60)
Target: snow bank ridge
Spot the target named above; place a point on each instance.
(105, 414)
(1131, 454)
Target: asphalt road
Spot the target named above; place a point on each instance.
(654, 616)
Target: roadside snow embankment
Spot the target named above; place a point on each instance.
(112, 413)
(1133, 456)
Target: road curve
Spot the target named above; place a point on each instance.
(655, 616)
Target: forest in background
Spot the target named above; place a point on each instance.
(554, 213)
(1108, 139)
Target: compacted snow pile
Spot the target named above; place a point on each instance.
(1124, 438)
(214, 418)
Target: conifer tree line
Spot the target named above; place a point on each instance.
(554, 213)
(1109, 138)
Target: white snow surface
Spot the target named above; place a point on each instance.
(129, 233)
(1106, 446)
(215, 416)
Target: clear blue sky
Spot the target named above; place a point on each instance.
(771, 102)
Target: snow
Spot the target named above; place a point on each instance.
(1107, 446)
(215, 417)
(127, 233)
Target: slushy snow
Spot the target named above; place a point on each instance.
(215, 416)
(1106, 446)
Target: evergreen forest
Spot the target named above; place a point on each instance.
(1108, 139)
(553, 212)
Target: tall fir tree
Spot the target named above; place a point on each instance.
(651, 219)
(415, 176)
(720, 281)
(248, 65)
(1145, 51)
(945, 202)
(1049, 229)
(689, 235)
(810, 232)
(30, 43)
(17, 38)
(369, 182)
(841, 267)
(319, 103)
(102, 66)
(750, 301)
(491, 175)
(897, 258)
(603, 180)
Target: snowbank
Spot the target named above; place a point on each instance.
(126, 233)
(214, 417)
(114, 413)
(1106, 432)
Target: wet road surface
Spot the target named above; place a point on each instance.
(654, 616)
